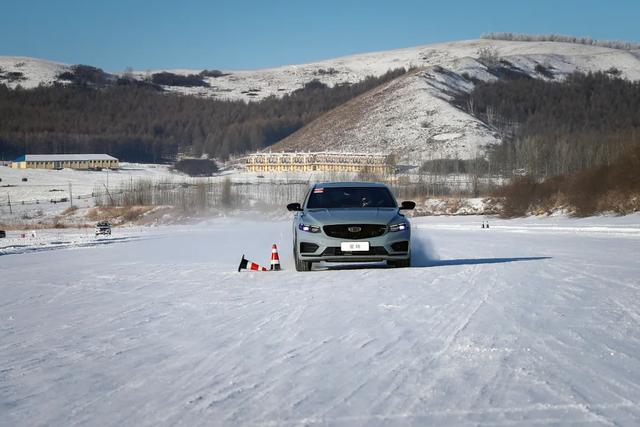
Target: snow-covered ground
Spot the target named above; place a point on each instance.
(532, 321)
(39, 198)
(46, 184)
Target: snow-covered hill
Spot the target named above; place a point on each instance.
(29, 72)
(458, 56)
(412, 116)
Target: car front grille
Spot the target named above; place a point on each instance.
(355, 231)
(336, 251)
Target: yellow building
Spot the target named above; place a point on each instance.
(62, 161)
(320, 161)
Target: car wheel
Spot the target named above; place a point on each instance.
(300, 264)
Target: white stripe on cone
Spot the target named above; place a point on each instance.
(245, 264)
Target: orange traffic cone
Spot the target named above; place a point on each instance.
(248, 265)
(275, 258)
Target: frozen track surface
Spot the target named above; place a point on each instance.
(529, 322)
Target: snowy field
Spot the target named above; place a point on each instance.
(40, 198)
(533, 321)
(43, 185)
(41, 195)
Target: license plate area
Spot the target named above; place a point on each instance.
(354, 246)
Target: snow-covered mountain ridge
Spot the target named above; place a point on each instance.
(564, 57)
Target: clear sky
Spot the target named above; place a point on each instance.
(245, 34)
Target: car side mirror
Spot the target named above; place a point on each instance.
(294, 207)
(408, 205)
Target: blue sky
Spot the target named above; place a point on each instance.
(237, 34)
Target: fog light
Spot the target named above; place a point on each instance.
(306, 247)
(400, 247)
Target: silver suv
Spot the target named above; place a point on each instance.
(350, 222)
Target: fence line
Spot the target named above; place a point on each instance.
(200, 195)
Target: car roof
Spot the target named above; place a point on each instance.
(349, 184)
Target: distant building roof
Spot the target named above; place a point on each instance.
(316, 153)
(63, 157)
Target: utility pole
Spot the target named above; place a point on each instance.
(109, 194)
(9, 198)
(70, 195)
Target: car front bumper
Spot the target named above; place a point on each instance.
(320, 247)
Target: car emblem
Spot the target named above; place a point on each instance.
(354, 229)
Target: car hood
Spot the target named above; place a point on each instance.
(351, 216)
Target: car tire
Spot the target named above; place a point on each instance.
(300, 264)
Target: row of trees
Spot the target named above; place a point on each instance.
(573, 144)
(140, 123)
(87, 75)
(553, 128)
(606, 188)
(200, 196)
(614, 44)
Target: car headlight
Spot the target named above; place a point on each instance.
(399, 227)
(308, 228)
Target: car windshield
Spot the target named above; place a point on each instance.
(350, 197)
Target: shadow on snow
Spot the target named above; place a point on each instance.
(434, 263)
(61, 244)
(476, 261)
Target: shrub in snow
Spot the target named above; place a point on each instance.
(613, 44)
(196, 167)
(212, 73)
(170, 79)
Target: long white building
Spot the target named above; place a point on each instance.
(319, 161)
(62, 161)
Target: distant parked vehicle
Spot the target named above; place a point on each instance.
(3, 234)
(103, 228)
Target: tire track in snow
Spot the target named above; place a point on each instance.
(564, 361)
(445, 319)
(433, 377)
(453, 416)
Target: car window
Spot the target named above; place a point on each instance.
(350, 197)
